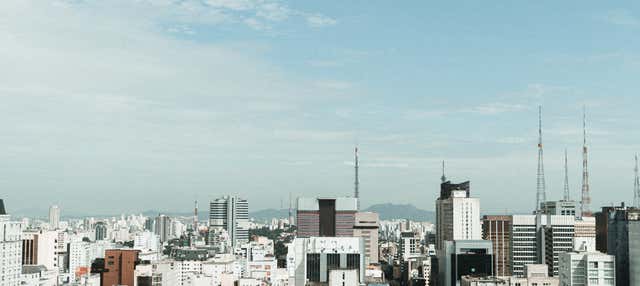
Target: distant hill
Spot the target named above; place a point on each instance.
(386, 211)
(399, 211)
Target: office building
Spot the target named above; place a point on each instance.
(587, 268)
(320, 217)
(465, 257)
(162, 227)
(39, 248)
(231, 214)
(457, 214)
(623, 243)
(101, 230)
(535, 275)
(10, 249)
(311, 259)
(559, 233)
(119, 267)
(409, 245)
(561, 207)
(497, 229)
(584, 238)
(602, 226)
(54, 217)
(366, 226)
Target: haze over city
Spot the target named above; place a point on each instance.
(152, 104)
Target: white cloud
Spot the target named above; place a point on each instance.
(319, 21)
(622, 18)
(496, 108)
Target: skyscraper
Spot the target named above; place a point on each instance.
(101, 230)
(10, 249)
(231, 214)
(54, 217)
(163, 227)
(587, 268)
(623, 242)
(366, 226)
(497, 228)
(457, 214)
(326, 216)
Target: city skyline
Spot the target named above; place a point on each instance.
(267, 98)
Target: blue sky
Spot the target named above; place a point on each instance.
(139, 105)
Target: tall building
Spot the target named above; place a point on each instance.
(457, 214)
(163, 227)
(561, 207)
(326, 216)
(465, 257)
(623, 242)
(10, 249)
(559, 233)
(409, 245)
(101, 230)
(584, 238)
(497, 228)
(366, 226)
(587, 268)
(231, 214)
(54, 217)
(39, 248)
(602, 226)
(119, 267)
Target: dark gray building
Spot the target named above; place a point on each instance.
(623, 242)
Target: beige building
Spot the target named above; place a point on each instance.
(366, 226)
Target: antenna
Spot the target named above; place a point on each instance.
(443, 178)
(586, 197)
(567, 195)
(357, 180)
(636, 187)
(541, 196)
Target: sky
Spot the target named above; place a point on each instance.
(133, 105)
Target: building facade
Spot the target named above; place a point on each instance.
(457, 214)
(54, 217)
(497, 229)
(230, 213)
(321, 217)
(587, 268)
(366, 225)
(10, 249)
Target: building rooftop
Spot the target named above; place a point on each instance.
(2, 209)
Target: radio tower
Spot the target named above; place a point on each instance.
(586, 198)
(541, 196)
(357, 181)
(443, 178)
(636, 187)
(567, 195)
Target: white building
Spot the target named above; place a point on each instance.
(587, 268)
(457, 214)
(54, 217)
(585, 234)
(559, 232)
(10, 249)
(309, 259)
(79, 258)
(231, 214)
(39, 248)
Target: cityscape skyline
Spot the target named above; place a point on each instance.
(268, 98)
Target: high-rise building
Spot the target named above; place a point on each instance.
(54, 217)
(10, 249)
(584, 238)
(559, 233)
(408, 245)
(465, 257)
(163, 227)
(231, 214)
(101, 230)
(587, 268)
(623, 242)
(39, 248)
(326, 216)
(119, 267)
(366, 226)
(457, 214)
(497, 228)
(561, 207)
